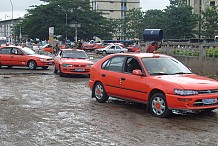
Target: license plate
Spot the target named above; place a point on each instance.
(209, 101)
(79, 69)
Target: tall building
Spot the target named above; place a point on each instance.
(201, 5)
(114, 9)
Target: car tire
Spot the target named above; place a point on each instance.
(32, 64)
(45, 67)
(121, 52)
(99, 93)
(55, 70)
(158, 106)
(0, 65)
(60, 72)
(104, 52)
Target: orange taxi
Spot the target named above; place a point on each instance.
(72, 61)
(22, 56)
(160, 81)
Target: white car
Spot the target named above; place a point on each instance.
(111, 49)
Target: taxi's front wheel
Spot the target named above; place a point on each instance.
(99, 93)
(158, 106)
(32, 64)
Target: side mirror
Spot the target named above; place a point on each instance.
(137, 72)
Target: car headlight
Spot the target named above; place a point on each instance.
(89, 65)
(185, 92)
(67, 65)
(42, 59)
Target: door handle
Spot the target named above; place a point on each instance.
(103, 75)
(123, 79)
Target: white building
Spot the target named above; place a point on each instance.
(114, 9)
(6, 28)
(201, 5)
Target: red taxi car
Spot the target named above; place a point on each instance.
(72, 61)
(160, 81)
(18, 56)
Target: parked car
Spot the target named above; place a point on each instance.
(160, 81)
(92, 47)
(133, 48)
(111, 49)
(72, 61)
(18, 56)
(48, 48)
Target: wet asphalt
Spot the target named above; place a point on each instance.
(39, 108)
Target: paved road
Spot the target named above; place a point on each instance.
(43, 109)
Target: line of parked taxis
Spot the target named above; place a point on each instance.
(160, 81)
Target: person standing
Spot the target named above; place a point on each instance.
(152, 47)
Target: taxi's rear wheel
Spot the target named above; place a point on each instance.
(158, 106)
(32, 64)
(99, 93)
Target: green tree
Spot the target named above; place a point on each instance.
(179, 22)
(134, 23)
(54, 14)
(210, 22)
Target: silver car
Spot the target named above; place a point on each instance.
(111, 49)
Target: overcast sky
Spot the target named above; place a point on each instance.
(20, 6)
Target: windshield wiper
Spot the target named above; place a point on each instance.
(182, 73)
(159, 73)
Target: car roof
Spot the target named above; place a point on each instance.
(141, 55)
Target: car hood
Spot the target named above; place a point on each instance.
(81, 61)
(191, 81)
(41, 56)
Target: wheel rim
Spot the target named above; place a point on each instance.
(31, 65)
(158, 105)
(99, 91)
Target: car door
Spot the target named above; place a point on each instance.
(117, 49)
(5, 56)
(111, 73)
(132, 86)
(111, 49)
(18, 58)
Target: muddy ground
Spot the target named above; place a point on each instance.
(39, 108)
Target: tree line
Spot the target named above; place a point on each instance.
(177, 21)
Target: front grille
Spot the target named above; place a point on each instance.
(199, 102)
(79, 65)
(208, 91)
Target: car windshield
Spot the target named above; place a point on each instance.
(74, 54)
(164, 66)
(28, 51)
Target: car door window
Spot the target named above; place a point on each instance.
(114, 64)
(5, 51)
(118, 47)
(15, 51)
(131, 64)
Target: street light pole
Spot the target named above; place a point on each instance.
(12, 22)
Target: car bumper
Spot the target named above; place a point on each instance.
(45, 63)
(73, 70)
(194, 102)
